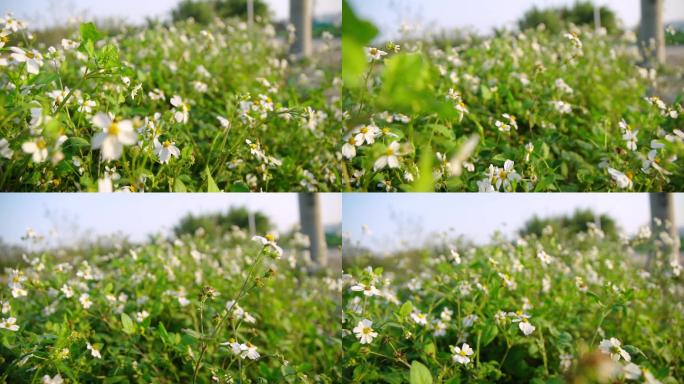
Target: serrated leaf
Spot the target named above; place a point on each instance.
(405, 309)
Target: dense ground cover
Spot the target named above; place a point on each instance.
(518, 111)
(167, 108)
(200, 308)
(557, 308)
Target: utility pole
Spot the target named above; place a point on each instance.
(597, 16)
(250, 12)
(662, 209)
(651, 33)
(310, 220)
(301, 17)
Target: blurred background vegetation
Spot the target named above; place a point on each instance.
(556, 19)
(202, 12)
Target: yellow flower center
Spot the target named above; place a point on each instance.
(166, 144)
(385, 130)
(502, 174)
(463, 353)
(351, 140)
(364, 130)
(253, 146)
(30, 55)
(366, 330)
(113, 129)
(4, 39)
(389, 152)
(373, 51)
(270, 237)
(132, 188)
(41, 144)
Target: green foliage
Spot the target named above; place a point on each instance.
(534, 310)
(212, 107)
(204, 11)
(571, 225)
(219, 223)
(557, 19)
(163, 312)
(527, 112)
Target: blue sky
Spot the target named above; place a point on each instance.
(50, 12)
(413, 217)
(139, 214)
(482, 15)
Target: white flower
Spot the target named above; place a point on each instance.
(623, 181)
(389, 159)
(141, 316)
(572, 36)
(5, 150)
(234, 346)
(10, 324)
(419, 318)
(85, 301)
(181, 114)
(93, 351)
(52, 380)
(446, 314)
(367, 289)
(563, 86)
(503, 176)
(630, 139)
(460, 355)
(366, 133)
(32, 58)
(524, 324)
(612, 347)
(249, 351)
(561, 106)
(469, 320)
(18, 291)
(374, 54)
(37, 148)
(349, 148)
(631, 371)
(225, 123)
(165, 150)
(270, 241)
(113, 136)
(67, 290)
(364, 331)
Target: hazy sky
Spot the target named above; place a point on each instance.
(50, 12)
(412, 217)
(141, 214)
(483, 15)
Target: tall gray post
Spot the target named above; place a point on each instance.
(250, 12)
(662, 208)
(310, 220)
(652, 32)
(301, 17)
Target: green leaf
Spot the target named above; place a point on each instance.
(405, 83)
(179, 186)
(89, 33)
(239, 186)
(163, 334)
(425, 183)
(488, 335)
(211, 184)
(356, 33)
(127, 323)
(420, 374)
(406, 309)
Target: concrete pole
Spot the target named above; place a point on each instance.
(301, 17)
(310, 220)
(652, 32)
(251, 221)
(597, 16)
(662, 208)
(250, 12)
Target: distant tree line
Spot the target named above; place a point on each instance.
(558, 18)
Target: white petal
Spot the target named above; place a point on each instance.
(111, 149)
(380, 163)
(393, 161)
(97, 140)
(102, 120)
(29, 147)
